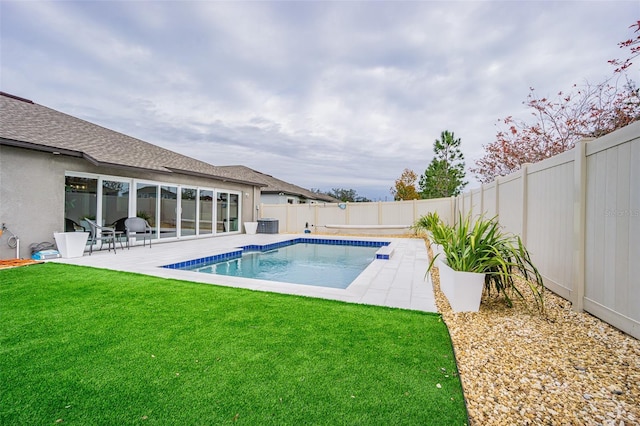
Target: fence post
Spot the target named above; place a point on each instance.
(287, 215)
(482, 200)
(497, 207)
(453, 213)
(579, 223)
(525, 201)
(347, 220)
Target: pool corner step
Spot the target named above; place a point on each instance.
(384, 252)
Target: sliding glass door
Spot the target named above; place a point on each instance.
(227, 211)
(168, 211)
(115, 203)
(205, 220)
(147, 204)
(80, 201)
(234, 208)
(188, 209)
(172, 211)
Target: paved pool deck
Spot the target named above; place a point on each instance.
(399, 282)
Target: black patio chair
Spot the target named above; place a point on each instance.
(71, 226)
(121, 229)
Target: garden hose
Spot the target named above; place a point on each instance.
(13, 241)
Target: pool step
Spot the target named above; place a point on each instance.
(384, 252)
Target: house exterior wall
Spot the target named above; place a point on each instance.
(32, 193)
(279, 199)
(286, 199)
(31, 197)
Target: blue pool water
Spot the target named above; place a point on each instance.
(315, 263)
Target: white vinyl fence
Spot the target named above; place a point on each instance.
(377, 218)
(578, 213)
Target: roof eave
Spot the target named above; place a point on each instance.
(79, 154)
(209, 176)
(41, 148)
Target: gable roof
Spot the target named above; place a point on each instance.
(26, 124)
(275, 186)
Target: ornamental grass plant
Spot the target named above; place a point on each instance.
(427, 223)
(480, 246)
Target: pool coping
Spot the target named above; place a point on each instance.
(400, 281)
(239, 251)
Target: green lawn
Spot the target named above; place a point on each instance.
(88, 346)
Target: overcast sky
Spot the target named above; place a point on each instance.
(319, 94)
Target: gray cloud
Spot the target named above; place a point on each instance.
(320, 94)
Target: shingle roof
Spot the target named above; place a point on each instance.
(275, 185)
(27, 124)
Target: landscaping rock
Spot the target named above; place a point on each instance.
(562, 367)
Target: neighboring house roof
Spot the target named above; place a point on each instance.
(26, 124)
(274, 185)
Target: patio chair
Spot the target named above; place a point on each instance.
(121, 229)
(104, 234)
(71, 226)
(136, 227)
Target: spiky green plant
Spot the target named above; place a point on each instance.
(482, 247)
(436, 229)
(427, 222)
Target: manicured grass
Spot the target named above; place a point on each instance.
(89, 346)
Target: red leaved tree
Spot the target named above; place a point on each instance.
(634, 50)
(586, 111)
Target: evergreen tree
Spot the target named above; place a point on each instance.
(445, 175)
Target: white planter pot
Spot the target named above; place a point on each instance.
(71, 244)
(251, 227)
(462, 289)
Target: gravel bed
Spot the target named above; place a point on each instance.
(520, 367)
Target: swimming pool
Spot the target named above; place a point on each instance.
(325, 263)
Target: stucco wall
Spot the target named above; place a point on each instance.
(32, 193)
(31, 197)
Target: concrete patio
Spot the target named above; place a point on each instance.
(400, 282)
